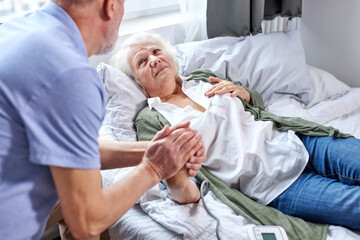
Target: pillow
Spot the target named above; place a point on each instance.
(124, 100)
(272, 64)
(326, 86)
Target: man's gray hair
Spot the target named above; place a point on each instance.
(121, 59)
(73, 2)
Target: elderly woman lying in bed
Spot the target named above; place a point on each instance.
(299, 167)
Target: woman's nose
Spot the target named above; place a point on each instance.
(154, 61)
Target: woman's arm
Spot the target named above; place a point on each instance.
(182, 189)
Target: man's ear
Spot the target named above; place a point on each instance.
(109, 8)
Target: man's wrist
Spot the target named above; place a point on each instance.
(149, 172)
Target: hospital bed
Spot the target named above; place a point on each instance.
(272, 64)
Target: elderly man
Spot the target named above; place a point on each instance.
(51, 107)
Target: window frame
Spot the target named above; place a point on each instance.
(143, 8)
(13, 8)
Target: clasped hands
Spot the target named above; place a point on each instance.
(173, 148)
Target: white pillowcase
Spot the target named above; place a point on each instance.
(326, 86)
(124, 100)
(272, 64)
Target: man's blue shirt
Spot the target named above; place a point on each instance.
(51, 107)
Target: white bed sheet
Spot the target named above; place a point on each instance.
(342, 112)
(156, 217)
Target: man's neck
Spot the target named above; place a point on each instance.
(87, 20)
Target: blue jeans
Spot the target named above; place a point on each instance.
(328, 191)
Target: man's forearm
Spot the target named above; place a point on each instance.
(88, 209)
(121, 196)
(115, 154)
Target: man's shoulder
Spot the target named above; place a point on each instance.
(27, 39)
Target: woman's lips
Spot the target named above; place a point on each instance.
(160, 70)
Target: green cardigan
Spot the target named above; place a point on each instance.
(149, 122)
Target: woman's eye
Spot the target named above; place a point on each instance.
(156, 51)
(141, 62)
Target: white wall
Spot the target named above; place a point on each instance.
(330, 30)
(170, 33)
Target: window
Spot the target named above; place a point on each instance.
(133, 8)
(144, 15)
(10, 8)
(140, 8)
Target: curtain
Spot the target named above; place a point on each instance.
(194, 15)
(279, 24)
(284, 8)
(245, 17)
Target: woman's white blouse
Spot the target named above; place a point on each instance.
(246, 154)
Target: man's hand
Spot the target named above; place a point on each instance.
(224, 86)
(195, 161)
(171, 148)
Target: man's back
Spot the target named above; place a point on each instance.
(45, 84)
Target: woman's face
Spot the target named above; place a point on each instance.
(154, 69)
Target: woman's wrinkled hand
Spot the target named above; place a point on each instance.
(195, 162)
(224, 86)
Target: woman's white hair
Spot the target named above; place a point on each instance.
(121, 59)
